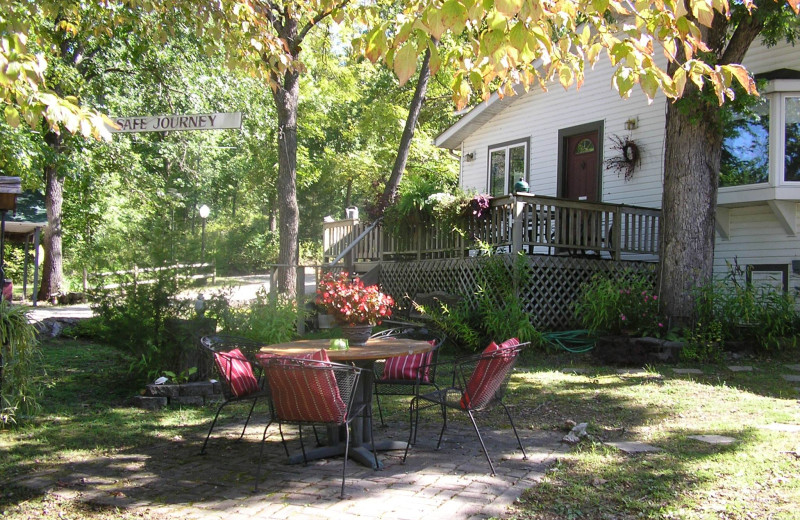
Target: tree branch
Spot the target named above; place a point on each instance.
(747, 30)
(318, 18)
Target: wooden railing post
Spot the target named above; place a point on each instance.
(616, 235)
(518, 224)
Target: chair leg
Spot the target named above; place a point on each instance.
(477, 431)
(411, 426)
(283, 439)
(302, 445)
(261, 456)
(510, 420)
(444, 425)
(214, 422)
(346, 455)
(378, 402)
(368, 411)
(246, 422)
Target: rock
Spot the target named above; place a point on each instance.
(199, 388)
(576, 434)
(162, 391)
(150, 403)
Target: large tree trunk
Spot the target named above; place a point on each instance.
(52, 270)
(691, 166)
(286, 98)
(390, 190)
(692, 151)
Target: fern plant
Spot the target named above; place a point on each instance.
(19, 353)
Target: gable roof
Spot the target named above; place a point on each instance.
(475, 118)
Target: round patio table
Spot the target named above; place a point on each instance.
(362, 357)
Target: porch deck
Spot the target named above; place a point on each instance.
(532, 224)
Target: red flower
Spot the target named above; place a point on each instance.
(351, 302)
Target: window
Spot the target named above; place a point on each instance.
(791, 137)
(585, 146)
(508, 163)
(745, 146)
(762, 143)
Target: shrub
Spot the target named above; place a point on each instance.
(19, 354)
(499, 312)
(269, 318)
(763, 316)
(133, 321)
(620, 303)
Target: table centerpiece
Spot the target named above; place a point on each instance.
(356, 307)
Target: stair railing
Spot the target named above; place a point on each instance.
(355, 242)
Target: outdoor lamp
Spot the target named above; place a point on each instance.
(204, 211)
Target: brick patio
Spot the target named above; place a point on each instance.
(170, 479)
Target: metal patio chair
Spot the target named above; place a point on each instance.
(312, 392)
(401, 375)
(241, 378)
(479, 382)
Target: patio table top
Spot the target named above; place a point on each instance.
(376, 348)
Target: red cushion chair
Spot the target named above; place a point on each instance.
(313, 390)
(404, 375)
(233, 359)
(483, 379)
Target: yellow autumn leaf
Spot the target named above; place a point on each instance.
(703, 11)
(565, 76)
(405, 62)
(12, 116)
(742, 76)
(508, 7)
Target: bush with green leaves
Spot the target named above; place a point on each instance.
(763, 316)
(703, 343)
(19, 356)
(498, 313)
(133, 320)
(620, 303)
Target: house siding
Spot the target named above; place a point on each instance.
(756, 235)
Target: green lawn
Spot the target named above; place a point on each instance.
(86, 411)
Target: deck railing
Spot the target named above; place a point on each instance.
(533, 224)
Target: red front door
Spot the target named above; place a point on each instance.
(581, 181)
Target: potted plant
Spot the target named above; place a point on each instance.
(355, 307)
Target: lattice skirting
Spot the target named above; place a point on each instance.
(553, 281)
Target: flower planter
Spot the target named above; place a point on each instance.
(630, 350)
(357, 335)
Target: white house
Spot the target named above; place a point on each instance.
(560, 141)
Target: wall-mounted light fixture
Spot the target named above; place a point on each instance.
(469, 157)
(631, 123)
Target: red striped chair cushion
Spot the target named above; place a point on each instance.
(238, 373)
(488, 375)
(406, 367)
(306, 394)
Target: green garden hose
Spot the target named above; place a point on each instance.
(575, 341)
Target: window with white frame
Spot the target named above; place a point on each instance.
(762, 143)
(508, 163)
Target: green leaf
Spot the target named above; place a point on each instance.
(12, 116)
(649, 84)
(453, 14)
(405, 62)
(565, 76)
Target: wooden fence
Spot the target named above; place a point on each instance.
(521, 222)
(111, 280)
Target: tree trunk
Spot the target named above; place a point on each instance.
(52, 270)
(392, 184)
(691, 166)
(286, 97)
(692, 151)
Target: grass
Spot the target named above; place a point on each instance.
(86, 412)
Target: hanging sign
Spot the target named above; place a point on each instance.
(218, 121)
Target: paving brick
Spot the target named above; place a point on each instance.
(687, 371)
